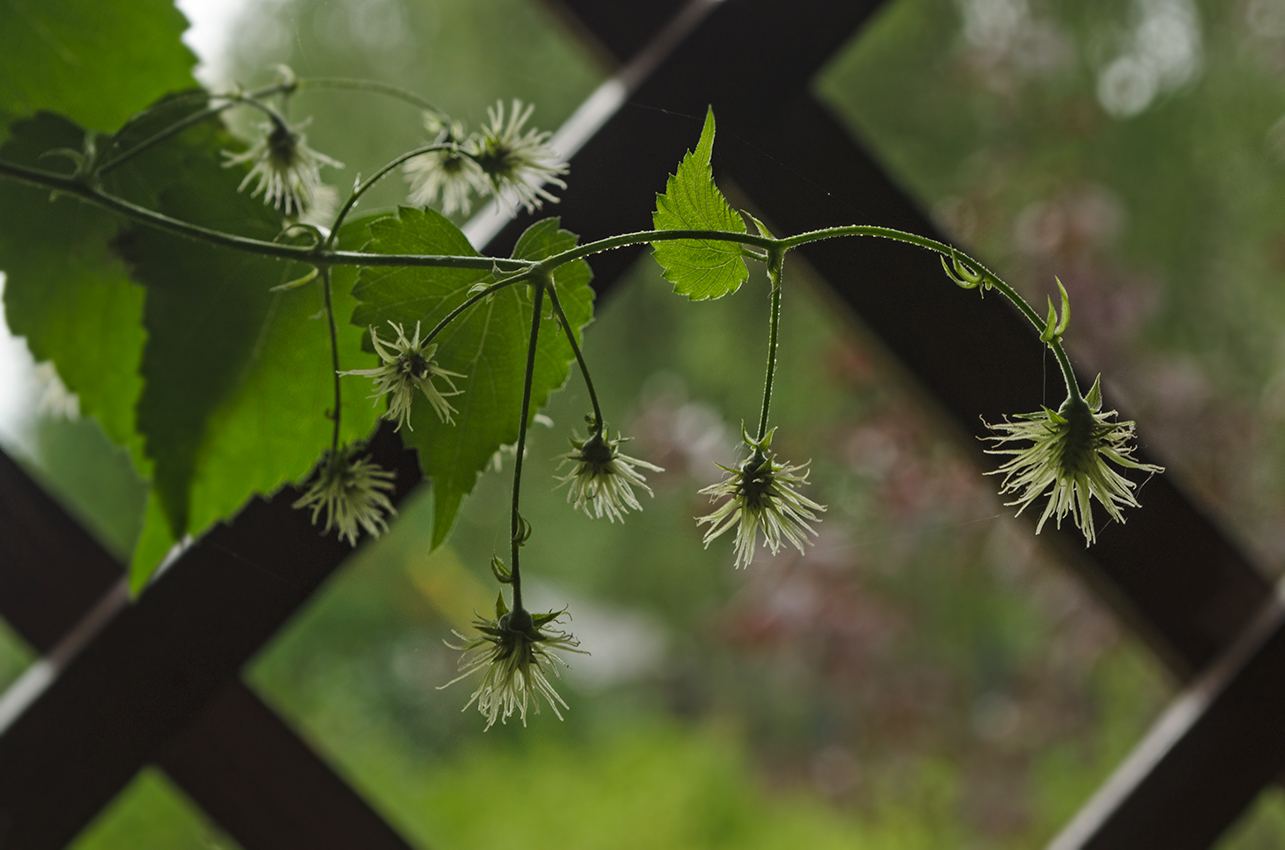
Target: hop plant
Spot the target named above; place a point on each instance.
(353, 493)
(450, 172)
(602, 478)
(515, 654)
(517, 164)
(1069, 459)
(408, 366)
(761, 496)
(288, 171)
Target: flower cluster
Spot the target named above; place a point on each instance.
(450, 172)
(603, 478)
(353, 492)
(502, 158)
(1068, 459)
(407, 367)
(515, 651)
(288, 171)
(761, 496)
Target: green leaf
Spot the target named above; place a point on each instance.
(238, 377)
(699, 268)
(93, 61)
(66, 291)
(488, 344)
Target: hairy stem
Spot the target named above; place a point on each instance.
(515, 525)
(371, 86)
(374, 178)
(467, 303)
(317, 256)
(334, 357)
(252, 99)
(323, 256)
(776, 264)
(575, 348)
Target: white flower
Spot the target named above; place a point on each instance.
(289, 172)
(55, 399)
(517, 165)
(515, 652)
(761, 495)
(603, 477)
(407, 368)
(353, 492)
(1067, 459)
(450, 172)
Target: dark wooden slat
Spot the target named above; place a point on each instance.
(52, 570)
(264, 786)
(615, 30)
(1205, 760)
(156, 665)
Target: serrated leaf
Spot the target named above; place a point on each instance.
(699, 268)
(238, 377)
(93, 61)
(488, 344)
(66, 291)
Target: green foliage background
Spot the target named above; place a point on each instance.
(924, 678)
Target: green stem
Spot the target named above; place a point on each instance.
(372, 86)
(467, 303)
(334, 357)
(321, 256)
(775, 266)
(195, 118)
(575, 349)
(361, 190)
(315, 255)
(516, 523)
(643, 236)
(989, 277)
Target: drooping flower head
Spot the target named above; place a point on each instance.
(353, 492)
(515, 654)
(761, 496)
(517, 164)
(602, 477)
(1068, 459)
(288, 171)
(450, 172)
(408, 367)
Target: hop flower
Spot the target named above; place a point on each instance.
(450, 172)
(761, 496)
(289, 172)
(515, 651)
(517, 165)
(407, 368)
(603, 477)
(353, 492)
(1067, 459)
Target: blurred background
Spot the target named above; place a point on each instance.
(927, 676)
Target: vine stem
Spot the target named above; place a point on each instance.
(334, 358)
(467, 303)
(250, 99)
(371, 86)
(316, 256)
(365, 186)
(575, 349)
(776, 264)
(537, 307)
(320, 256)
